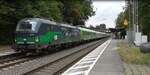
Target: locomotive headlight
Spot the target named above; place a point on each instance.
(15, 40)
(36, 39)
(25, 39)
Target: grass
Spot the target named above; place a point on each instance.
(132, 54)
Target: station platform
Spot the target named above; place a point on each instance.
(109, 63)
(104, 60)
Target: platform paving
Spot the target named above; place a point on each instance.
(109, 63)
(105, 60)
(4, 49)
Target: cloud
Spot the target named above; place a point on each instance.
(106, 12)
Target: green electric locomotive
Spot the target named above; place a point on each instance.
(35, 34)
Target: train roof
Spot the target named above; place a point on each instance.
(54, 23)
(85, 29)
(69, 26)
(89, 30)
(40, 20)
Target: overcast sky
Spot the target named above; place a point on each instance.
(106, 12)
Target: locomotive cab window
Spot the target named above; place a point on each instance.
(27, 26)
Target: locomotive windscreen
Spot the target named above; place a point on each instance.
(27, 26)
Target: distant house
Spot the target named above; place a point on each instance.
(101, 28)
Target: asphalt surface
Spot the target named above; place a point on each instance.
(109, 63)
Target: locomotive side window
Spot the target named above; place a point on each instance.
(49, 27)
(52, 27)
(44, 28)
(56, 28)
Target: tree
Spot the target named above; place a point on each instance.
(70, 11)
(144, 17)
(11, 11)
(120, 20)
(77, 11)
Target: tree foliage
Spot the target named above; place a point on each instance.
(121, 19)
(144, 16)
(77, 11)
(69, 11)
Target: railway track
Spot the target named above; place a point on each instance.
(52, 64)
(60, 65)
(6, 58)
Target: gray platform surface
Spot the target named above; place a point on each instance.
(109, 63)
